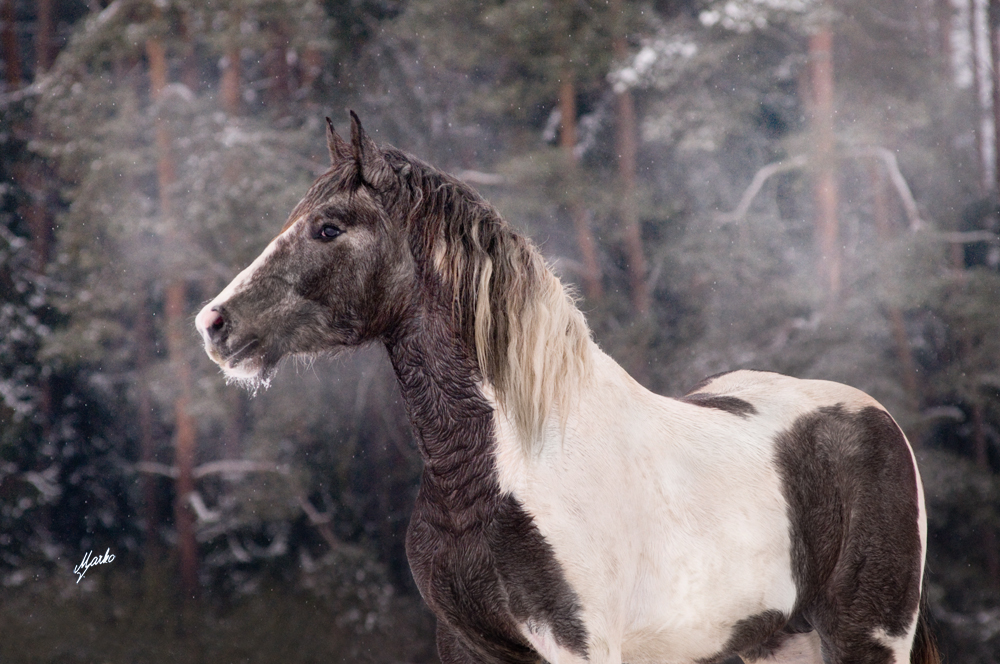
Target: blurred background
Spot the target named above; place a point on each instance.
(801, 186)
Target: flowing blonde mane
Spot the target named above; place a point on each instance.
(530, 339)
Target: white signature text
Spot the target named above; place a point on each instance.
(89, 562)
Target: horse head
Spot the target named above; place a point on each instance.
(338, 274)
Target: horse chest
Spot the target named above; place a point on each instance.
(487, 572)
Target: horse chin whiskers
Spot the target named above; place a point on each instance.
(251, 381)
(246, 370)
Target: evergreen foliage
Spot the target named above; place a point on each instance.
(303, 492)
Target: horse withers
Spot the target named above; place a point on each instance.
(566, 513)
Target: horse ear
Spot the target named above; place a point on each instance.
(371, 163)
(339, 149)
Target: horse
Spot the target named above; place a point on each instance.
(565, 513)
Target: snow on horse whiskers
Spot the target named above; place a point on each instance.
(760, 515)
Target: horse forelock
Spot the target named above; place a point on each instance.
(338, 178)
(530, 339)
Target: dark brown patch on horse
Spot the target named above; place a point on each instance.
(850, 484)
(478, 559)
(733, 405)
(754, 638)
(534, 579)
(704, 382)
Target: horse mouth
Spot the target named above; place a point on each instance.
(245, 365)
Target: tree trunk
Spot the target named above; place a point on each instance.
(230, 83)
(232, 437)
(988, 535)
(184, 437)
(627, 148)
(312, 66)
(944, 11)
(11, 51)
(994, 37)
(825, 193)
(147, 440)
(279, 89)
(230, 92)
(190, 76)
(44, 53)
(36, 213)
(177, 324)
(39, 221)
(981, 88)
(897, 324)
(567, 141)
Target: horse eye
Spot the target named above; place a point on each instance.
(328, 232)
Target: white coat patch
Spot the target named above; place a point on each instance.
(667, 518)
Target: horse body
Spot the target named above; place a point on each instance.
(663, 512)
(565, 512)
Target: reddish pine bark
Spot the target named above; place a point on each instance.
(897, 325)
(279, 89)
(979, 74)
(230, 85)
(994, 37)
(44, 53)
(825, 193)
(11, 52)
(567, 141)
(177, 324)
(147, 440)
(627, 147)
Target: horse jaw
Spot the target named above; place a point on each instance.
(248, 374)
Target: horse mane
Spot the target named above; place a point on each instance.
(530, 339)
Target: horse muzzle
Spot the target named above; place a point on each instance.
(214, 330)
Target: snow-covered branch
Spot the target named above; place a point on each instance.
(887, 157)
(224, 467)
(759, 178)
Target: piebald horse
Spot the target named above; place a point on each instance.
(566, 513)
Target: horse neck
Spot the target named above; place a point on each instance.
(438, 376)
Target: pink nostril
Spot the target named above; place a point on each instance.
(210, 320)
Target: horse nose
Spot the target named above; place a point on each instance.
(211, 323)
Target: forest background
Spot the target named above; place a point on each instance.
(802, 186)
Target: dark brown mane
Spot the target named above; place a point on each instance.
(530, 338)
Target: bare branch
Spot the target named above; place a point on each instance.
(225, 467)
(944, 412)
(201, 510)
(154, 468)
(236, 467)
(322, 523)
(888, 158)
(759, 178)
(968, 236)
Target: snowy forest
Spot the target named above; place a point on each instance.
(802, 186)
